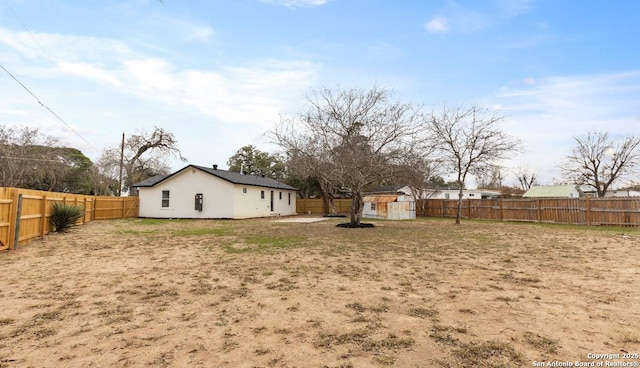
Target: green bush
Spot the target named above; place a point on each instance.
(64, 216)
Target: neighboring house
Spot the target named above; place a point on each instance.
(455, 193)
(441, 193)
(207, 192)
(554, 191)
(622, 193)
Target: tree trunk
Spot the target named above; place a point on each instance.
(459, 209)
(328, 204)
(357, 205)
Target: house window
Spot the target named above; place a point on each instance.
(471, 194)
(262, 194)
(280, 195)
(373, 206)
(244, 190)
(165, 198)
(289, 199)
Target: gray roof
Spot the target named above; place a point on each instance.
(232, 177)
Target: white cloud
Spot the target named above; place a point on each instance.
(437, 24)
(89, 71)
(547, 114)
(297, 3)
(514, 8)
(455, 17)
(116, 89)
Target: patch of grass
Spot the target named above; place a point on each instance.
(262, 243)
(440, 334)
(356, 307)
(629, 337)
(262, 351)
(47, 316)
(541, 342)
(327, 340)
(381, 308)
(488, 354)
(202, 231)
(383, 359)
(6, 321)
(392, 341)
(159, 293)
(506, 299)
(151, 221)
(422, 312)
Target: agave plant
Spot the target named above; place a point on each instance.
(64, 216)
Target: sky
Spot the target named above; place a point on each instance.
(220, 74)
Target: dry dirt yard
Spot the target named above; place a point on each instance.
(259, 293)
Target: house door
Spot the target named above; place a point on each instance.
(271, 201)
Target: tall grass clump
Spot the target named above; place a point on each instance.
(64, 216)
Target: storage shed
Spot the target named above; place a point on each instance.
(389, 207)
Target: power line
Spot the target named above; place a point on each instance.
(27, 89)
(47, 107)
(29, 31)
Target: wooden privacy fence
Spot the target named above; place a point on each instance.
(24, 213)
(582, 211)
(315, 206)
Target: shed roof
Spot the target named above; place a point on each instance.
(381, 198)
(551, 191)
(230, 176)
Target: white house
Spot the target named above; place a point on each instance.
(207, 192)
(622, 193)
(455, 193)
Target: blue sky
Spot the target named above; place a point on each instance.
(218, 74)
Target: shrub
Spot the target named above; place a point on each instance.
(64, 216)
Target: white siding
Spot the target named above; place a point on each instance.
(251, 203)
(221, 199)
(452, 194)
(401, 211)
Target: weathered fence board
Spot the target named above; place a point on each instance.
(315, 206)
(583, 211)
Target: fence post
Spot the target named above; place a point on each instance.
(539, 209)
(588, 210)
(16, 236)
(12, 217)
(43, 220)
(501, 211)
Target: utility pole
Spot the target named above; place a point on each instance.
(121, 166)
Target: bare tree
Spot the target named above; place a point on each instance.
(145, 155)
(491, 178)
(526, 178)
(600, 161)
(352, 138)
(470, 141)
(307, 168)
(418, 171)
(24, 154)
